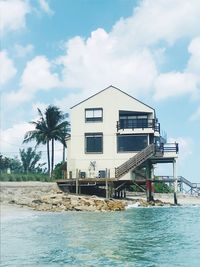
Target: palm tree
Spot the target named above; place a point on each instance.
(58, 126)
(64, 134)
(49, 128)
(40, 135)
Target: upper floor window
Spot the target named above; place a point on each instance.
(93, 114)
(131, 120)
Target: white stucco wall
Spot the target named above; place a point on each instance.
(111, 101)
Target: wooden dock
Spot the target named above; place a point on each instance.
(113, 187)
(104, 187)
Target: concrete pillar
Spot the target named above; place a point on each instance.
(152, 184)
(111, 186)
(175, 182)
(149, 182)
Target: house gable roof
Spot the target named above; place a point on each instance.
(116, 89)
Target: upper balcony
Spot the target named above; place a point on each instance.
(153, 124)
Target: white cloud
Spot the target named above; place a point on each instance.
(13, 15)
(70, 100)
(40, 105)
(7, 68)
(12, 138)
(23, 51)
(128, 56)
(196, 115)
(37, 76)
(174, 84)
(96, 63)
(194, 61)
(45, 7)
(154, 21)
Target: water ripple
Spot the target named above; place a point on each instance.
(155, 237)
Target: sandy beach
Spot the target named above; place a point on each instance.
(18, 197)
(183, 199)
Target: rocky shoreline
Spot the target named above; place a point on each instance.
(47, 197)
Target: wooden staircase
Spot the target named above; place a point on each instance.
(185, 186)
(135, 161)
(194, 187)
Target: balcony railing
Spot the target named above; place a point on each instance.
(138, 123)
(168, 147)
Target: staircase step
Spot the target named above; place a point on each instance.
(135, 161)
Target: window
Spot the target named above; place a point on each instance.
(93, 114)
(131, 120)
(131, 143)
(93, 143)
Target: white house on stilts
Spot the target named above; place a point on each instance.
(114, 135)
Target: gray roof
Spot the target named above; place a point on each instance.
(116, 89)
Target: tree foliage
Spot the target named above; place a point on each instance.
(51, 126)
(162, 187)
(30, 160)
(13, 164)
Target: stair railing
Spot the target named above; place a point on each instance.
(135, 161)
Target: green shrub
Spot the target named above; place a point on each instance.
(24, 177)
(18, 178)
(11, 178)
(58, 173)
(162, 187)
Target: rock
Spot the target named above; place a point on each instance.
(37, 201)
(116, 205)
(49, 198)
(12, 201)
(85, 208)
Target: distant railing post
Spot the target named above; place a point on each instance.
(107, 189)
(77, 174)
(176, 148)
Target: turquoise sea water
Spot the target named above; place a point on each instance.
(137, 237)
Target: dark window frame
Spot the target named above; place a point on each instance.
(95, 134)
(133, 135)
(93, 118)
(132, 120)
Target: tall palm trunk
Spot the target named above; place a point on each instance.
(63, 153)
(48, 158)
(52, 155)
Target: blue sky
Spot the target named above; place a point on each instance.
(59, 52)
